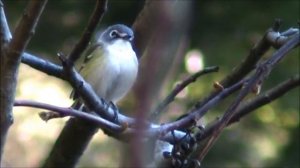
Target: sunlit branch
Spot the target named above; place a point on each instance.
(102, 123)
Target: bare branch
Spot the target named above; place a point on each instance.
(25, 29)
(94, 103)
(102, 123)
(262, 71)
(10, 60)
(43, 65)
(86, 92)
(179, 87)
(4, 28)
(277, 39)
(257, 102)
(96, 17)
(56, 70)
(196, 114)
(281, 53)
(73, 126)
(247, 65)
(266, 98)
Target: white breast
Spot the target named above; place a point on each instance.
(120, 72)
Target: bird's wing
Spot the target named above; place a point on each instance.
(87, 56)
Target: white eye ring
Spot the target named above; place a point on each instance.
(113, 34)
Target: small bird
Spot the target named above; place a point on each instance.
(110, 65)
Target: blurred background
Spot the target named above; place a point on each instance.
(196, 34)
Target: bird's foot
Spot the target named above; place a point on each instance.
(116, 111)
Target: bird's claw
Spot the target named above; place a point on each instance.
(116, 111)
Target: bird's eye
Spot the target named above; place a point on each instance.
(113, 34)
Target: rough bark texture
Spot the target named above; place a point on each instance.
(11, 51)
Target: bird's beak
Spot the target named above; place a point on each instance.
(126, 36)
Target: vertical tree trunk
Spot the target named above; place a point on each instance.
(11, 51)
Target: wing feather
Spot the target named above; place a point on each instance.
(88, 56)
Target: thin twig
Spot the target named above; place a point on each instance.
(196, 114)
(262, 71)
(266, 98)
(96, 17)
(247, 65)
(255, 103)
(179, 87)
(102, 123)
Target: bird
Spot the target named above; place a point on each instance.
(110, 65)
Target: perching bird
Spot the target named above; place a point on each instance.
(110, 66)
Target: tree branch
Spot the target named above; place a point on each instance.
(277, 39)
(196, 114)
(102, 123)
(255, 103)
(4, 28)
(25, 29)
(179, 87)
(166, 130)
(43, 65)
(98, 105)
(10, 60)
(266, 98)
(247, 65)
(96, 17)
(48, 67)
(64, 146)
(262, 71)
(74, 78)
